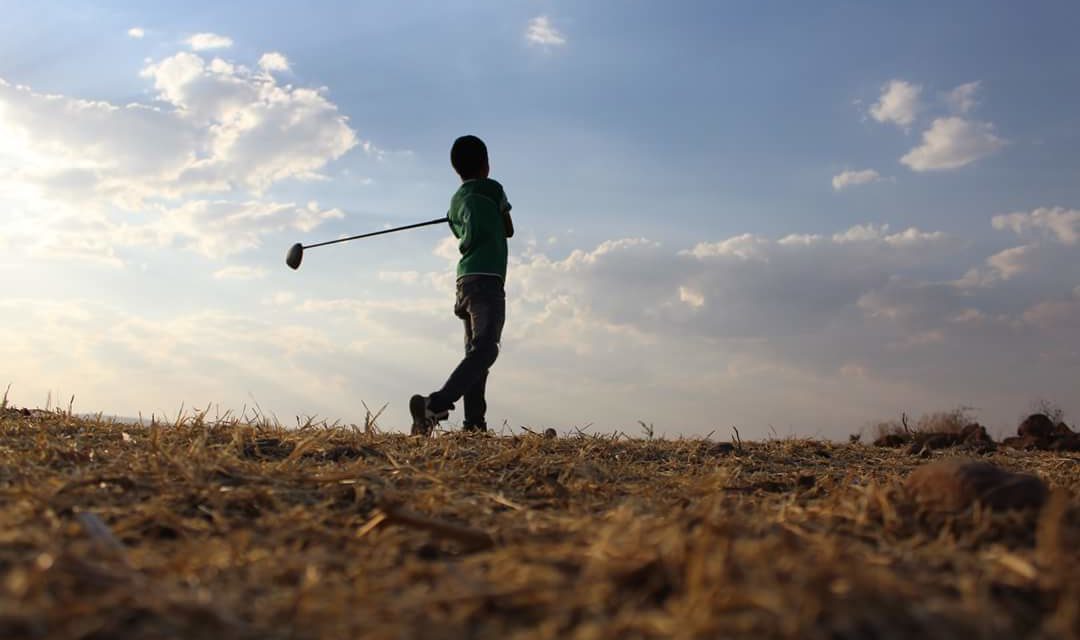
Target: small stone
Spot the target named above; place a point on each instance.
(550, 433)
(956, 484)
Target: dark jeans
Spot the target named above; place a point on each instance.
(481, 304)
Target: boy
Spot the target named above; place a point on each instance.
(480, 219)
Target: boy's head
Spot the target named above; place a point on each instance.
(469, 157)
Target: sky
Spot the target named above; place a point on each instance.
(793, 218)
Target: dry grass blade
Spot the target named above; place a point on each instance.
(234, 527)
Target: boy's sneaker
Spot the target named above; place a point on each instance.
(423, 418)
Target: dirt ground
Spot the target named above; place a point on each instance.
(221, 529)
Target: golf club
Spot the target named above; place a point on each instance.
(296, 252)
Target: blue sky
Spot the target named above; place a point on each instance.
(767, 213)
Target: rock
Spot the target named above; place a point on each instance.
(1021, 442)
(976, 439)
(956, 484)
(975, 433)
(1037, 431)
(892, 440)
(973, 436)
(1036, 425)
(722, 449)
(1066, 443)
(550, 433)
(926, 443)
(939, 441)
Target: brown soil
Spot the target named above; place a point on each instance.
(233, 531)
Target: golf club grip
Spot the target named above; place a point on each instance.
(377, 233)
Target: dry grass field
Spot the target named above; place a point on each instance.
(218, 529)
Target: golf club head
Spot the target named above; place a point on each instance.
(295, 255)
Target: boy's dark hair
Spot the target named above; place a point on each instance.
(469, 156)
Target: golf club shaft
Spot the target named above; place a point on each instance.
(377, 233)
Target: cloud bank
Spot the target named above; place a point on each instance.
(85, 178)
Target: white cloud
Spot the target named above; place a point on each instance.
(541, 32)
(239, 272)
(1031, 273)
(743, 247)
(224, 128)
(914, 237)
(846, 179)
(280, 298)
(136, 32)
(969, 316)
(83, 178)
(447, 249)
(1011, 262)
(222, 228)
(259, 132)
(274, 61)
(898, 103)
(691, 297)
(951, 143)
(212, 228)
(207, 41)
(962, 98)
(1047, 261)
(740, 287)
(400, 277)
(125, 362)
(1055, 314)
(863, 299)
(1058, 223)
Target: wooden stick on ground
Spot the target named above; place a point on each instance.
(473, 539)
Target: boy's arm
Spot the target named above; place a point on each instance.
(450, 222)
(508, 224)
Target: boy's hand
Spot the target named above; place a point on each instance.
(508, 223)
